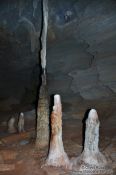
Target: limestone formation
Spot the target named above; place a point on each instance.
(11, 125)
(91, 155)
(44, 33)
(21, 123)
(57, 156)
(42, 138)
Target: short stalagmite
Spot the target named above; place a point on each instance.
(91, 156)
(57, 156)
(21, 123)
(11, 125)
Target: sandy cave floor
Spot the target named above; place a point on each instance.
(18, 155)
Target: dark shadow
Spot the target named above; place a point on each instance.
(51, 103)
(51, 109)
(39, 57)
(84, 126)
(40, 42)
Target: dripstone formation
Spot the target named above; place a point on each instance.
(57, 156)
(42, 138)
(91, 155)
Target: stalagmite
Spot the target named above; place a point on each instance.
(57, 156)
(21, 123)
(11, 125)
(42, 138)
(91, 156)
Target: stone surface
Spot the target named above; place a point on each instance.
(80, 54)
(28, 160)
(8, 154)
(7, 167)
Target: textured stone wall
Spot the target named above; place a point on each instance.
(20, 25)
(81, 61)
(82, 65)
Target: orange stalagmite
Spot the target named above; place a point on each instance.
(57, 156)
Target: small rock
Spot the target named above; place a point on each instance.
(24, 142)
(1, 143)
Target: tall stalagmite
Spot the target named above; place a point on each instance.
(42, 138)
(91, 156)
(57, 156)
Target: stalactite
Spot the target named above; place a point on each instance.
(32, 32)
(44, 33)
(42, 138)
(57, 156)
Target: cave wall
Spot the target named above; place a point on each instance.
(20, 26)
(81, 63)
(82, 55)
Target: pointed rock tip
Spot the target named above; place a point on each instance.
(57, 98)
(93, 114)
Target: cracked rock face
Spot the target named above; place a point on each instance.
(81, 63)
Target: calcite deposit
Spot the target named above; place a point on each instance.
(57, 156)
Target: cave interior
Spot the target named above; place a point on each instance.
(80, 67)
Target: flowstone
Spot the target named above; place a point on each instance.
(42, 138)
(57, 156)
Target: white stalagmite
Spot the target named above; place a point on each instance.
(44, 34)
(21, 123)
(91, 154)
(11, 125)
(57, 156)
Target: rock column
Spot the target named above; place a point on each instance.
(57, 156)
(91, 155)
(42, 138)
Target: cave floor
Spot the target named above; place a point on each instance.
(18, 155)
